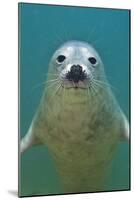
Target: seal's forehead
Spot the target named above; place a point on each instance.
(65, 50)
(71, 46)
(75, 44)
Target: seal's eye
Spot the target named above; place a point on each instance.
(60, 58)
(92, 60)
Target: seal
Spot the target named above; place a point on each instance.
(78, 118)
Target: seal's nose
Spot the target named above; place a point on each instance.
(76, 74)
(76, 69)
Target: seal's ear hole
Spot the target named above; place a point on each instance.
(60, 58)
(92, 60)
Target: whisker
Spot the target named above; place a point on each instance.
(57, 89)
(37, 86)
(59, 38)
(91, 33)
(97, 41)
(49, 81)
(65, 32)
(63, 96)
(88, 93)
(103, 83)
(50, 75)
(93, 87)
(44, 83)
(92, 91)
(46, 74)
(52, 84)
(98, 85)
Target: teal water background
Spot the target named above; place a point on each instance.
(42, 29)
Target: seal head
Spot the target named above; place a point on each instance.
(77, 65)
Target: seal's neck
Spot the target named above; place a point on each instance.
(71, 96)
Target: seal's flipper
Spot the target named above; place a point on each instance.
(28, 140)
(124, 128)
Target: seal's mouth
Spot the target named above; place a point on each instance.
(76, 78)
(76, 85)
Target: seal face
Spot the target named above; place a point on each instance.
(78, 118)
(77, 64)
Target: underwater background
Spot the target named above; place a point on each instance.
(42, 29)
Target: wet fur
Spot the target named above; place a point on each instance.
(81, 134)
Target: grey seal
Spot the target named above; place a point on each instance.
(78, 118)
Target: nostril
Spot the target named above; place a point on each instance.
(76, 69)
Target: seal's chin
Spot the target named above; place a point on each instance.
(76, 85)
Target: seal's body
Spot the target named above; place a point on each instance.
(78, 118)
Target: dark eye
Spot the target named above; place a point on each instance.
(61, 58)
(92, 60)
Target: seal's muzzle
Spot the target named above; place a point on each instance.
(76, 74)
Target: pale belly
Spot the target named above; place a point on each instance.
(81, 141)
(82, 155)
